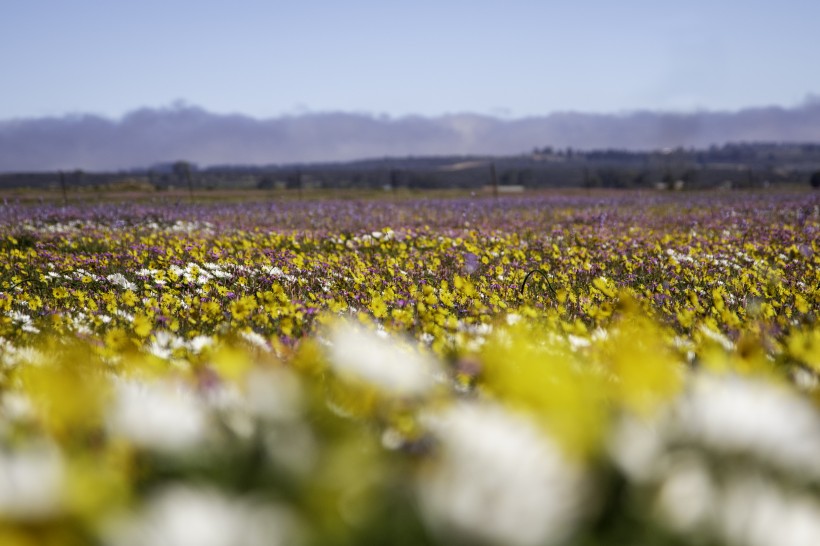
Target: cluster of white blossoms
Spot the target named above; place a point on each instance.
(31, 481)
(158, 415)
(731, 458)
(496, 477)
(361, 355)
(188, 516)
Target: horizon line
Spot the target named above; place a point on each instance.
(180, 105)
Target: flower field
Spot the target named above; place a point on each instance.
(572, 368)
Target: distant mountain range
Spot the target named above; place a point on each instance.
(148, 136)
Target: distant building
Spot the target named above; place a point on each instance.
(511, 188)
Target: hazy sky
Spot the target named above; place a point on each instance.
(506, 58)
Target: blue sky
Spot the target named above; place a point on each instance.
(505, 58)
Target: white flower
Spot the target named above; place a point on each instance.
(176, 270)
(164, 344)
(194, 273)
(16, 406)
(717, 337)
(578, 342)
(120, 280)
(498, 479)
(275, 395)
(200, 342)
(14, 356)
(513, 319)
(256, 339)
(362, 355)
(687, 496)
(24, 321)
(187, 516)
(636, 446)
(757, 429)
(277, 272)
(158, 415)
(734, 414)
(31, 482)
(755, 512)
(217, 271)
(124, 314)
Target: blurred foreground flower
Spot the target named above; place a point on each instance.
(498, 479)
(359, 355)
(191, 516)
(752, 417)
(31, 482)
(734, 458)
(159, 415)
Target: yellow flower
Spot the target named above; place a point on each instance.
(59, 292)
(142, 325)
(242, 308)
(804, 345)
(211, 308)
(129, 298)
(116, 338)
(801, 304)
(605, 286)
(378, 307)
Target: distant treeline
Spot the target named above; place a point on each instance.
(731, 165)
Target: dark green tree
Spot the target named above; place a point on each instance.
(182, 171)
(815, 180)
